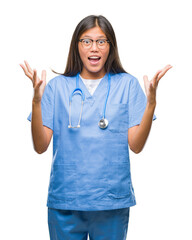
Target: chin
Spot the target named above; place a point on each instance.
(96, 69)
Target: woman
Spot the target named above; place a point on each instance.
(90, 189)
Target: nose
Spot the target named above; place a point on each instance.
(94, 46)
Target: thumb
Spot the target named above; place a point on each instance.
(43, 75)
(39, 84)
(146, 82)
(145, 78)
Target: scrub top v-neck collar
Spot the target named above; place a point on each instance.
(101, 86)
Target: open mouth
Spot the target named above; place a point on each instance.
(94, 60)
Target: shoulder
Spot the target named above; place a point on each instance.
(59, 80)
(124, 77)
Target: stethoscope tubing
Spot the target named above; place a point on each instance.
(80, 92)
(109, 85)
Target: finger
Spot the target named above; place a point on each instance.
(154, 80)
(145, 78)
(34, 78)
(26, 71)
(28, 67)
(43, 75)
(164, 71)
(156, 74)
(23, 67)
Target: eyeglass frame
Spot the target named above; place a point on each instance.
(80, 40)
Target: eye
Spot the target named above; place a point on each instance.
(101, 41)
(86, 41)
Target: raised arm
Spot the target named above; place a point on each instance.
(137, 135)
(41, 135)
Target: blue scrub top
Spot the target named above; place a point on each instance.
(91, 167)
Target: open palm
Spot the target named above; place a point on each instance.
(38, 85)
(151, 86)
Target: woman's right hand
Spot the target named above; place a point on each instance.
(38, 85)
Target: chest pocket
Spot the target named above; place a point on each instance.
(117, 115)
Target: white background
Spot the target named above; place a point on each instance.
(150, 34)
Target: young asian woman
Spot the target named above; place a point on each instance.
(95, 111)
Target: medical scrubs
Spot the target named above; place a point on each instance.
(100, 225)
(91, 166)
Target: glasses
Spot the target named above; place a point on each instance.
(88, 43)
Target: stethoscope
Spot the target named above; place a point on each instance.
(103, 123)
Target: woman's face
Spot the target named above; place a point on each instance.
(93, 58)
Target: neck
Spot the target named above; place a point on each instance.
(92, 75)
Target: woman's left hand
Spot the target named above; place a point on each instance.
(151, 86)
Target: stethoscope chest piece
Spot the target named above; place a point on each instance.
(103, 123)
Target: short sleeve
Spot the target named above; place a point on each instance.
(137, 103)
(47, 107)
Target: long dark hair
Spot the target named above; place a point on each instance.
(74, 63)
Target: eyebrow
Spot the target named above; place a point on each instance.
(101, 36)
